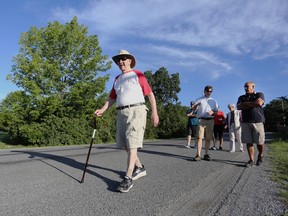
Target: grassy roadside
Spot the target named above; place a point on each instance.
(279, 157)
(5, 142)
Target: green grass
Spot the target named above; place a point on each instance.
(278, 150)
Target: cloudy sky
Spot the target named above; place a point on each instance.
(220, 43)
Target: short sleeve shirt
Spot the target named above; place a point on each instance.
(219, 118)
(192, 120)
(206, 105)
(130, 88)
(254, 114)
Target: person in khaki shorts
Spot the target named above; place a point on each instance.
(128, 91)
(207, 109)
(252, 124)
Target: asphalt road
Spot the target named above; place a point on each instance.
(46, 181)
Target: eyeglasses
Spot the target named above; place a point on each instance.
(124, 58)
(209, 91)
(246, 86)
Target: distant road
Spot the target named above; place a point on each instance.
(45, 181)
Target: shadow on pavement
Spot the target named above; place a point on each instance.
(164, 154)
(75, 164)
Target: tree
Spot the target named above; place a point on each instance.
(172, 115)
(57, 67)
(276, 113)
(165, 87)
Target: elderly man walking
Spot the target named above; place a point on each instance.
(129, 90)
(252, 122)
(233, 121)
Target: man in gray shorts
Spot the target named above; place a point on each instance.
(252, 122)
(128, 91)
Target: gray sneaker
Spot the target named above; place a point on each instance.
(138, 172)
(250, 164)
(125, 185)
(197, 158)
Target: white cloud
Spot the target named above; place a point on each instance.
(208, 37)
(232, 26)
(192, 62)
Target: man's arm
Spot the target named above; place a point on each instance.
(249, 105)
(154, 115)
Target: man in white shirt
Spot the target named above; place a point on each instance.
(207, 109)
(128, 91)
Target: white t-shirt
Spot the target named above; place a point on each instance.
(206, 105)
(130, 88)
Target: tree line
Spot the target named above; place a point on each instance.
(60, 70)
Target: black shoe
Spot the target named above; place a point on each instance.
(125, 185)
(138, 172)
(259, 160)
(220, 147)
(250, 163)
(207, 157)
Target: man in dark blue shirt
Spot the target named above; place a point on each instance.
(252, 122)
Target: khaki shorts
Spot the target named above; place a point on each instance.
(131, 124)
(205, 127)
(252, 133)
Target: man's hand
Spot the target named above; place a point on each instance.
(98, 113)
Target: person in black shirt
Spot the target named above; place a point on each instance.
(252, 122)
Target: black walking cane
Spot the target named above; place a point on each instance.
(93, 136)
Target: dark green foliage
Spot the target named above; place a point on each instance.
(56, 131)
(276, 113)
(173, 121)
(165, 87)
(106, 126)
(172, 115)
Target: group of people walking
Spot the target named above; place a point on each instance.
(128, 92)
(214, 130)
(245, 124)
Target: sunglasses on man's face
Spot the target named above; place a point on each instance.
(209, 91)
(246, 87)
(124, 58)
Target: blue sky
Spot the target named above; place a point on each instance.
(220, 43)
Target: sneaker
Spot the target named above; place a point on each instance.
(220, 147)
(188, 146)
(207, 157)
(138, 172)
(242, 150)
(125, 185)
(259, 160)
(197, 158)
(250, 163)
(232, 151)
(213, 148)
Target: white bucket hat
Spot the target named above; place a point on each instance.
(124, 53)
